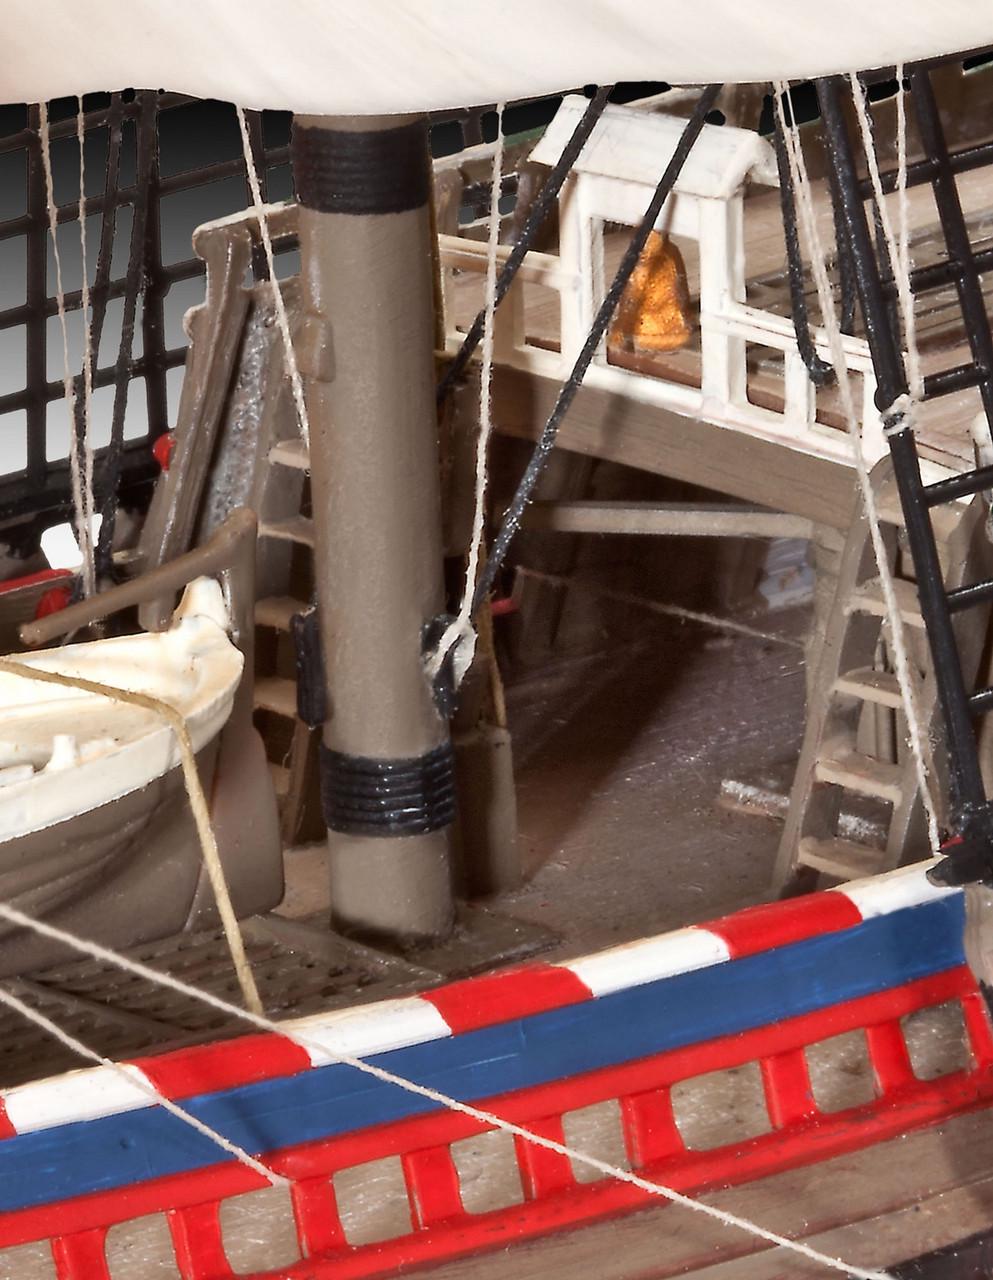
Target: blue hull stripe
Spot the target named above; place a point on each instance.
(119, 1150)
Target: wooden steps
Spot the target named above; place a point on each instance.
(868, 598)
(844, 767)
(277, 611)
(838, 858)
(855, 757)
(879, 687)
(277, 694)
(298, 529)
(290, 453)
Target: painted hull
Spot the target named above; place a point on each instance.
(87, 1150)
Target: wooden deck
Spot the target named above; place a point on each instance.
(622, 429)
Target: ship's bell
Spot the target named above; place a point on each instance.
(653, 314)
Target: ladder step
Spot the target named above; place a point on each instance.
(868, 598)
(841, 765)
(280, 779)
(276, 693)
(843, 859)
(947, 381)
(297, 529)
(944, 520)
(291, 453)
(880, 687)
(966, 597)
(938, 274)
(960, 486)
(276, 611)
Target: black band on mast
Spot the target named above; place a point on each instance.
(369, 172)
(371, 797)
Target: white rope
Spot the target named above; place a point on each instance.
(198, 804)
(901, 659)
(137, 1078)
(657, 606)
(97, 952)
(84, 533)
(903, 231)
(460, 631)
(282, 319)
(89, 562)
(898, 247)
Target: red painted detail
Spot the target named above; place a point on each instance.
(503, 605)
(34, 579)
(501, 997)
(162, 449)
(210, 1068)
(197, 1240)
(779, 923)
(978, 1030)
(555, 1199)
(315, 1208)
(7, 1130)
(433, 1190)
(543, 1172)
(650, 1130)
(82, 1256)
(890, 1060)
(788, 1093)
(54, 600)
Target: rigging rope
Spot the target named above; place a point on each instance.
(537, 214)
(84, 530)
(459, 632)
(139, 1081)
(474, 593)
(815, 248)
(282, 319)
(546, 440)
(89, 560)
(488, 1118)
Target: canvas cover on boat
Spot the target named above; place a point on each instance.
(349, 57)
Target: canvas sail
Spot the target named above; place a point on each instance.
(355, 57)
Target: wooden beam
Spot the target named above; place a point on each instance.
(602, 424)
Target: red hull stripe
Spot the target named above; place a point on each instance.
(778, 924)
(210, 1068)
(502, 997)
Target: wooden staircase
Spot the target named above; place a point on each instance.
(276, 694)
(855, 745)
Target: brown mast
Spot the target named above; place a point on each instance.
(363, 186)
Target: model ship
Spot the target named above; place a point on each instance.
(659, 323)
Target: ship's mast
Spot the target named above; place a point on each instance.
(364, 186)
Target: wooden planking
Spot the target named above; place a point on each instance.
(603, 424)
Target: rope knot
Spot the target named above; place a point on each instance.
(899, 416)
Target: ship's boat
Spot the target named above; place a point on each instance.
(91, 788)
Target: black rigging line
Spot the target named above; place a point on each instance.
(545, 442)
(99, 292)
(818, 370)
(535, 220)
(145, 144)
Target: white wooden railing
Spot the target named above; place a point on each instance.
(726, 332)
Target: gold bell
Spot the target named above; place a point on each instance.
(653, 314)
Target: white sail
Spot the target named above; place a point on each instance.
(377, 56)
